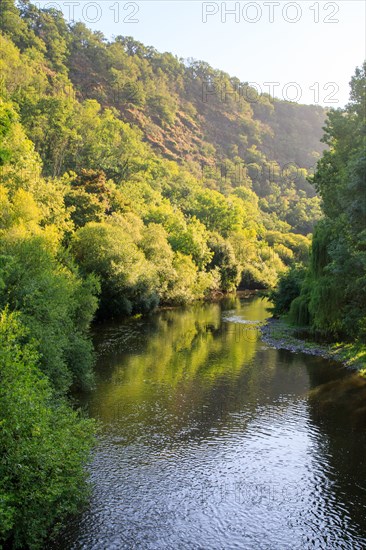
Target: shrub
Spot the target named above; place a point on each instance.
(44, 445)
(289, 288)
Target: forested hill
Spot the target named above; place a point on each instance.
(166, 180)
(190, 111)
(222, 130)
(194, 114)
(130, 179)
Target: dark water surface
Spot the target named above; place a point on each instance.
(213, 440)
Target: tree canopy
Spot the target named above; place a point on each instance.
(128, 179)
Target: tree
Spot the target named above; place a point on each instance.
(128, 280)
(88, 197)
(224, 260)
(44, 445)
(333, 297)
(55, 304)
(217, 212)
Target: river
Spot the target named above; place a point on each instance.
(211, 439)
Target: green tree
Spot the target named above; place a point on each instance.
(87, 196)
(333, 297)
(128, 280)
(44, 445)
(55, 304)
(225, 261)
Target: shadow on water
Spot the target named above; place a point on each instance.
(212, 439)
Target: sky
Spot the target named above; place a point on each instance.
(303, 51)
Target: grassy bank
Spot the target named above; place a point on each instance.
(282, 335)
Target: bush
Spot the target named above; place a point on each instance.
(56, 305)
(225, 261)
(128, 279)
(299, 311)
(289, 288)
(44, 445)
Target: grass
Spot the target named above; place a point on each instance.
(353, 355)
(286, 336)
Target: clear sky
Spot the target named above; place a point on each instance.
(305, 50)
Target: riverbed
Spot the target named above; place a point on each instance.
(212, 439)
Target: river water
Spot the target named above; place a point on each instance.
(211, 439)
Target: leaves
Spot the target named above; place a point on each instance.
(44, 444)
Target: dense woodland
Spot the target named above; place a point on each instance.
(129, 179)
(329, 295)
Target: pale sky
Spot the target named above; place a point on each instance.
(304, 50)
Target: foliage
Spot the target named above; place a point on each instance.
(55, 303)
(225, 262)
(109, 250)
(44, 445)
(122, 187)
(333, 298)
(288, 288)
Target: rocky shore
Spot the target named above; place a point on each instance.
(280, 335)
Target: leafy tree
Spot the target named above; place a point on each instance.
(56, 305)
(44, 445)
(87, 197)
(332, 299)
(188, 284)
(224, 260)
(217, 212)
(289, 288)
(127, 279)
(20, 164)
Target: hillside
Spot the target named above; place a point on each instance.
(216, 125)
(186, 108)
(212, 124)
(141, 143)
(131, 179)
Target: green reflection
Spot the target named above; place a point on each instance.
(192, 396)
(181, 362)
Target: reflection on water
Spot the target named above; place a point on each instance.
(211, 439)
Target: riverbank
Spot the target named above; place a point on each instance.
(281, 335)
